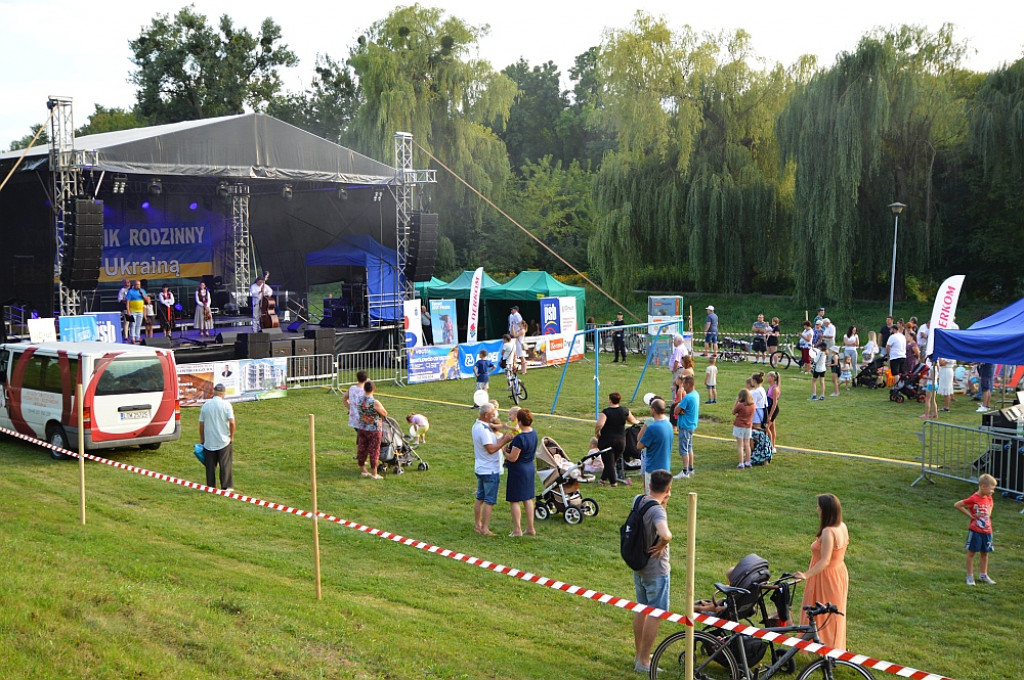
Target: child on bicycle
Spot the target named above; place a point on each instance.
(711, 381)
(979, 533)
(508, 354)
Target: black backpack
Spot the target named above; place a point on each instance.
(632, 546)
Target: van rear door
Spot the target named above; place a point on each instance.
(131, 398)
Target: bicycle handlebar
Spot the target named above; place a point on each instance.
(817, 609)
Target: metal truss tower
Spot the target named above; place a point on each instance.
(406, 179)
(66, 173)
(240, 242)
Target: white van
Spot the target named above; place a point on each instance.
(131, 393)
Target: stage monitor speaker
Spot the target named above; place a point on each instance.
(419, 265)
(297, 326)
(83, 245)
(281, 348)
(166, 343)
(303, 348)
(252, 350)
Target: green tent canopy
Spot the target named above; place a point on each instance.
(424, 289)
(525, 291)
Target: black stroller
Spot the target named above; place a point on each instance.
(872, 375)
(908, 386)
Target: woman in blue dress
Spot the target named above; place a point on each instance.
(519, 459)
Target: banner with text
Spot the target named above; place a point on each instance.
(443, 322)
(244, 380)
(166, 251)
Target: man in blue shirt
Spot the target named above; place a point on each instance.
(711, 332)
(687, 412)
(657, 442)
(217, 433)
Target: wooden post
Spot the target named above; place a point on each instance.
(691, 561)
(80, 407)
(316, 524)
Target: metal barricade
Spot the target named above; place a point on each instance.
(964, 453)
(381, 365)
(316, 370)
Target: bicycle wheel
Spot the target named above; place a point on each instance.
(513, 388)
(780, 359)
(711, 659)
(521, 391)
(836, 669)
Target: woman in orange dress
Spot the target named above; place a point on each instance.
(827, 579)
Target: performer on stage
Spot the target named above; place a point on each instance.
(258, 291)
(204, 316)
(165, 311)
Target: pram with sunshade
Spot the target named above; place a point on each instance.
(561, 480)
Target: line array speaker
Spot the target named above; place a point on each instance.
(419, 265)
(83, 245)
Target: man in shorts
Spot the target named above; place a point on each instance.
(486, 448)
(711, 332)
(986, 375)
(760, 344)
(651, 583)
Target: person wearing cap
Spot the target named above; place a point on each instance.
(818, 331)
(711, 332)
(619, 339)
(217, 434)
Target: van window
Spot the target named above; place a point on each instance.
(33, 379)
(131, 376)
(43, 374)
(5, 361)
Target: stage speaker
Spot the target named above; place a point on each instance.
(252, 346)
(419, 265)
(166, 343)
(324, 339)
(297, 326)
(83, 245)
(303, 348)
(281, 348)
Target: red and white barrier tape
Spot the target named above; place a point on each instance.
(603, 598)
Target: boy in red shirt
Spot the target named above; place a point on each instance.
(979, 534)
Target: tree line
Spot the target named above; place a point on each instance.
(678, 160)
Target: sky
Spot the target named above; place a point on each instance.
(78, 49)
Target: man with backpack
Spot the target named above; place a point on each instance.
(644, 540)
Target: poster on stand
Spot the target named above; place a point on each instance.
(443, 322)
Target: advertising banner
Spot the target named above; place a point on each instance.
(944, 309)
(78, 329)
(473, 321)
(413, 323)
(443, 322)
(244, 380)
(470, 353)
(108, 326)
(430, 364)
(550, 314)
(42, 330)
(165, 251)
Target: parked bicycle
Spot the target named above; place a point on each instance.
(516, 388)
(784, 356)
(723, 655)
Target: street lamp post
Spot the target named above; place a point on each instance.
(896, 208)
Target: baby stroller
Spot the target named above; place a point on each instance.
(561, 479)
(872, 375)
(397, 449)
(746, 599)
(908, 385)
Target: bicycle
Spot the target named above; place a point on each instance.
(515, 386)
(721, 655)
(784, 357)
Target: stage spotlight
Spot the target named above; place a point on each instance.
(145, 205)
(193, 206)
(120, 184)
(286, 192)
(342, 194)
(156, 187)
(222, 189)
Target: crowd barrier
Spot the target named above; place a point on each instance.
(964, 453)
(381, 365)
(310, 371)
(561, 586)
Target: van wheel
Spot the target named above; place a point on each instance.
(150, 447)
(55, 435)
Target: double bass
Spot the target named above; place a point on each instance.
(268, 307)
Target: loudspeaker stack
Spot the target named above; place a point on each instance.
(252, 346)
(419, 266)
(324, 339)
(83, 245)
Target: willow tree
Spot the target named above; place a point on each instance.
(416, 76)
(995, 227)
(690, 190)
(863, 134)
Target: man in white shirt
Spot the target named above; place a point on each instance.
(515, 329)
(828, 333)
(257, 292)
(896, 350)
(217, 432)
(486, 448)
(922, 337)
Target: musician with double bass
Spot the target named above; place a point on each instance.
(264, 314)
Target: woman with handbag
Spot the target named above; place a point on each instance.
(204, 316)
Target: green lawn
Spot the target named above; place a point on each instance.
(167, 582)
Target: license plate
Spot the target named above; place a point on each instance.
(135, 415)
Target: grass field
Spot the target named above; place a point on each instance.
(166, 582)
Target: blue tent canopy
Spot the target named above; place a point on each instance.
(383, 281)
(996, 339)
